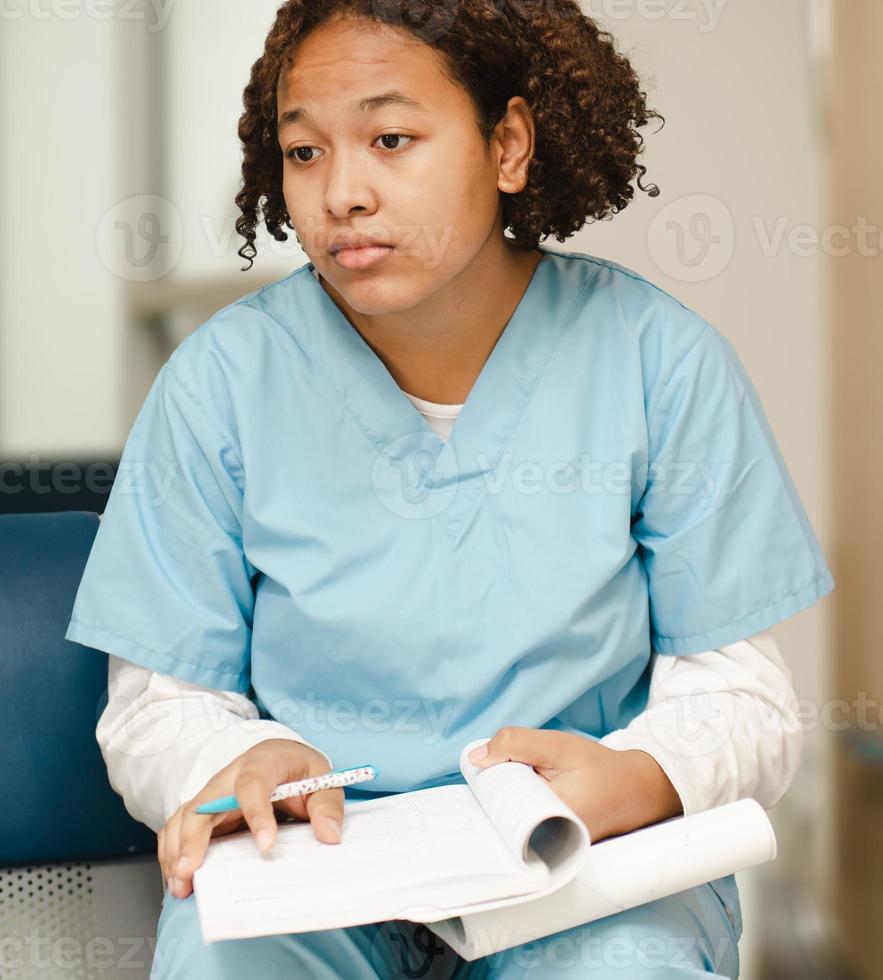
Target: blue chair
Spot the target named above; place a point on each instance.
(80, 883)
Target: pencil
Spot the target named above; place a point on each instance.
(300, 787)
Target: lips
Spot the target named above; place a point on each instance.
(365, 257)
(355, 242)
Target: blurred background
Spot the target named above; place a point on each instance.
(119, 162)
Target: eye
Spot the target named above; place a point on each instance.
(290, 154)
(393, 136)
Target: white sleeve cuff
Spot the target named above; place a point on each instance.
(721, 724)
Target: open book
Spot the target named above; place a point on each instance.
(491, 863)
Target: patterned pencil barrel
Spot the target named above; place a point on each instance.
(327, 781)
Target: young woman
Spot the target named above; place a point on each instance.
(443, 483)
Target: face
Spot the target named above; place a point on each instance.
(413, 172)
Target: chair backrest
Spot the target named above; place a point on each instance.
(58, 803)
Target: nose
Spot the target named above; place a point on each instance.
(347, 188)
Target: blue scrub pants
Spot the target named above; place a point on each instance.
(690, 934)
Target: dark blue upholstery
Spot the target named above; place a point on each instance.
(57, 802)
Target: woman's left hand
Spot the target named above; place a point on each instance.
(613, 791)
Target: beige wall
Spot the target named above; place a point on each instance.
(61, 311)
(856, 352)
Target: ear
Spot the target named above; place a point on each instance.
(515, 139)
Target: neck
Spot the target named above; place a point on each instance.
(437, 349)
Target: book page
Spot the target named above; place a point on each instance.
(426, 853)
(623, 872)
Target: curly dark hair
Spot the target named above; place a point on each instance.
(584, 97)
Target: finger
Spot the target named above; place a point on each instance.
(169, 848)
(293, 806)
(252, 790)
(170, 833)
(194, 830)
(533, 746)
(161, 853)
(325, 808)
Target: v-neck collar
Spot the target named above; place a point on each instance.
(444, 479)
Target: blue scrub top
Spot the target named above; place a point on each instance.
(285, 523)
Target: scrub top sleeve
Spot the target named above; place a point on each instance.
(723, 537)
(166, 584)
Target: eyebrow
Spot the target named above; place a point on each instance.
(369, 104)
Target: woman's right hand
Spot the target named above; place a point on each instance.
(251, 777)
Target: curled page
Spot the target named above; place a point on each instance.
(542, 832)
(518, 802)
(622, 872)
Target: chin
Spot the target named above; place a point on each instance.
(379, 294)
(374, 302)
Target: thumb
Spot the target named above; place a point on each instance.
(537, 747)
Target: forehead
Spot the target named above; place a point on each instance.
(338, 62)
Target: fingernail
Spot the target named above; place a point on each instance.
(478, 753)
(264, 839)
(183, 865)
(333, 826)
